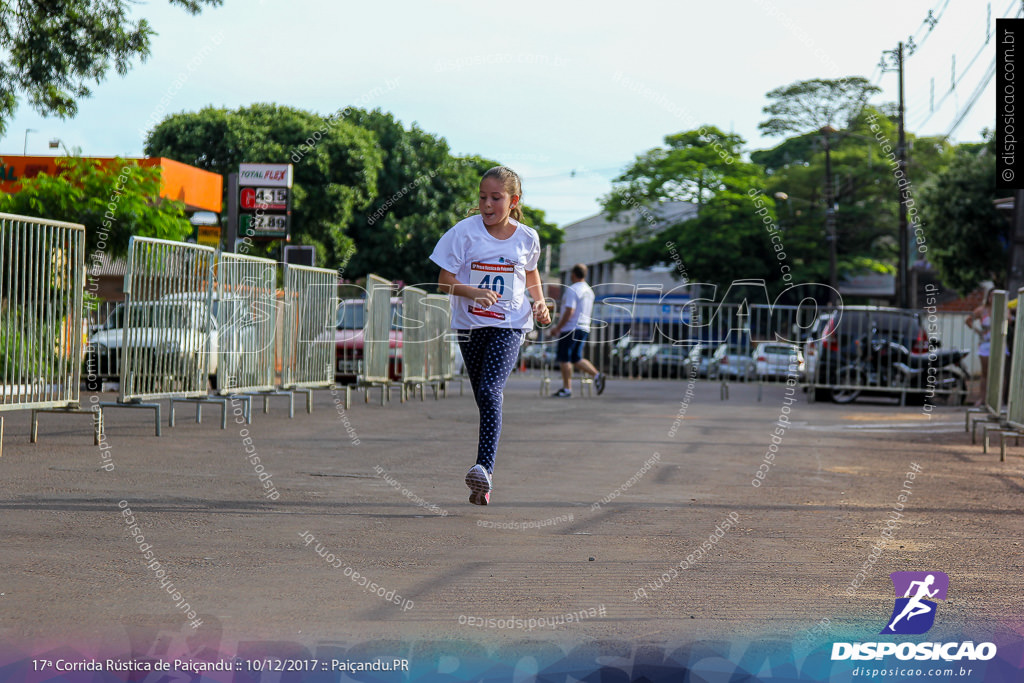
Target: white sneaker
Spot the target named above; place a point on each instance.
(479, 483)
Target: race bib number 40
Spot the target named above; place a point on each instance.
(497, 277)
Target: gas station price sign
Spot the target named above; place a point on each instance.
(264, 225)
(264, 200)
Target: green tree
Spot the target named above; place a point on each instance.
(422, 191)
(693, 167)
(966, 237)
(373, 196)
(865, 192)
(56, 49)
(113, 200)
(807, 106)
(336, 162)
(550, 234)
(816, 110)
(727, 239)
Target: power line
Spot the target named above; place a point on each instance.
(956, 79)
(582, 171)
(963, 75)
(959, 116)
(975, 96)
(928, 25)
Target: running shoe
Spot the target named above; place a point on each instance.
(479, 483)
(599, 383)
(562, 393)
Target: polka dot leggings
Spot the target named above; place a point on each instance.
(490, 354)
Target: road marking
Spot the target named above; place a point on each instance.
(903, 425)
(887, 417)
(922, 427)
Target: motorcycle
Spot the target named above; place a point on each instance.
(883, 364)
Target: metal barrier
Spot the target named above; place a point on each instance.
(991, 410)
(1015, 400)
(245, 314)
(105, 322)
(855, 351)
(692, 341)
(839, 354)
(246, 323)
(726, 332)
(443, 343)
(415, 340)
(42, 279)
(348, 335)
(309, 320)
(541, 353)
(167, 346)
(997, 354)
(438, 340)
(377, 337)
(1010, 422)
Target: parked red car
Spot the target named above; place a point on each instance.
(348, 341)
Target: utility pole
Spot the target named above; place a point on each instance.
(830, 218)
(1015, 267)
(901, 150)
(231, 233)
(903, 298)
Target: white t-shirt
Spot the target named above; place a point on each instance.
(481, 260)
(580, 298)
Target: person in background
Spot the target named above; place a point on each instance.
(982, 315)
(577, 306)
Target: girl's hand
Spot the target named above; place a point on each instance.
(540, 312)
(485, 298)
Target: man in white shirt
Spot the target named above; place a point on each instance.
(577, 306)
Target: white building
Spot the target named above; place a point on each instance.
(643, 292)
(585, 243)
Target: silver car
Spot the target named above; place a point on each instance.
(733, 361)
(774, 360)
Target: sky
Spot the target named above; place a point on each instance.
(568, 94)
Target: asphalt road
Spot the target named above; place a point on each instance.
(642, 522)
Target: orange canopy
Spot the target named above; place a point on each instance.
(200, 190)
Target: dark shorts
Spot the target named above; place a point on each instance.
(570, 347)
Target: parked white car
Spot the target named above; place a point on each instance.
(169, 337)
(775, 359)
(733, 361)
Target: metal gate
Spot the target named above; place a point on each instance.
(377, 330)
(997, 354)
(42, 279)
(415, 339)
(438, 316)
(166, 345)
(246, 317)
(1014, 422)
(1015, 400)
(311, 304)
(167, 342)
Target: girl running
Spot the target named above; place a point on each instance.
(488, 263)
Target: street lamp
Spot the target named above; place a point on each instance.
(24, 150)
(830, 225)
(783, 197)
(57, 142)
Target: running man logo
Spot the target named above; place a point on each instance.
(913, 614)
